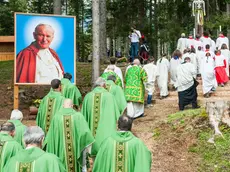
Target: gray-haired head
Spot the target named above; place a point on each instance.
(68, 103)
(100, 82)
(8, 127)
(16, 115)
(112, 78)
(34, 135)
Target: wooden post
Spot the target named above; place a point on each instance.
(16, 95)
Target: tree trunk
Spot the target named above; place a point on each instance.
(218, 112)
(57, 7)
(102, 29)
(96, 39)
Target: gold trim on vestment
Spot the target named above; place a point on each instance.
(96, 112)
(49, 113)
(25, 167)
(120, 157)
(69, 144)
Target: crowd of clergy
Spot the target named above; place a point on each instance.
(71, 132)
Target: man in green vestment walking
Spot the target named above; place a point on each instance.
(33, 158)
(16, 118)
(8, 146)
(135, 91)
(50, 104)
(110, 71)
(123, 151)
(118, 93)
(69, 137)
(70, 91)
(101, 112)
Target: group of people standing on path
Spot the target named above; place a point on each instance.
(70, 129)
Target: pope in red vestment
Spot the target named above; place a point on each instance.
(26, 59)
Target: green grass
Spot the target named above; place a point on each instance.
(6, 71)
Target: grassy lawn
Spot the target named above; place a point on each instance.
(6, 71)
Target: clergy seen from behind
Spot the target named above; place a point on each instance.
(33, 158)
(38, 63)
(16, 118)
(122, 151)
(101, 112)
(69, 138)
(135, 78)
(8, 146)
(118, 93)
(50, 104)
(117, 70)
(70, 91)
(110, 71)
(186, 84)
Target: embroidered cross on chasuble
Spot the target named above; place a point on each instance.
(69, 144)
(121, 165)
(96, 113)
(25, 167)
(51, 102)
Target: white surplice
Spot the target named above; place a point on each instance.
(226, 54)
(181, 44)
(174, 63)
(220, 41)
(208, 73)
(151, 70)
(162, 73)
(205, 41)
(135, 109)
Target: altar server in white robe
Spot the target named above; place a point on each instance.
(226, 53)
(181, 43)
(162, 76)
(207, 67)
(222, 40)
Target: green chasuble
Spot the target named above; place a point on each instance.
(8, 148)
(70, 91)
(101, 112)
(19, 131)
(50, 104)
(34, 160)
(118, 79)
(123, 152)
(68, 136)
(135, 89)
(118, 93)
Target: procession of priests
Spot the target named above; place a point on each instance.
(71, 130)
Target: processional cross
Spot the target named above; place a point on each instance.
(198, 9)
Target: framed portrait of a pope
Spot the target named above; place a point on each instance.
(44, 48)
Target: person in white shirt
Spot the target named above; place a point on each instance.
(186, 85)
(117, 70)
(226, 53)
(181, 43)
(151, 70)
(222, 40)
(162, 76)
(199, 55)
(134, 38)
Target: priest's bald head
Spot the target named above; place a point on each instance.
(68, 103)
(16, 115)
(136, 62)
(125, 123)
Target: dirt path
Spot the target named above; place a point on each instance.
(169, 154)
